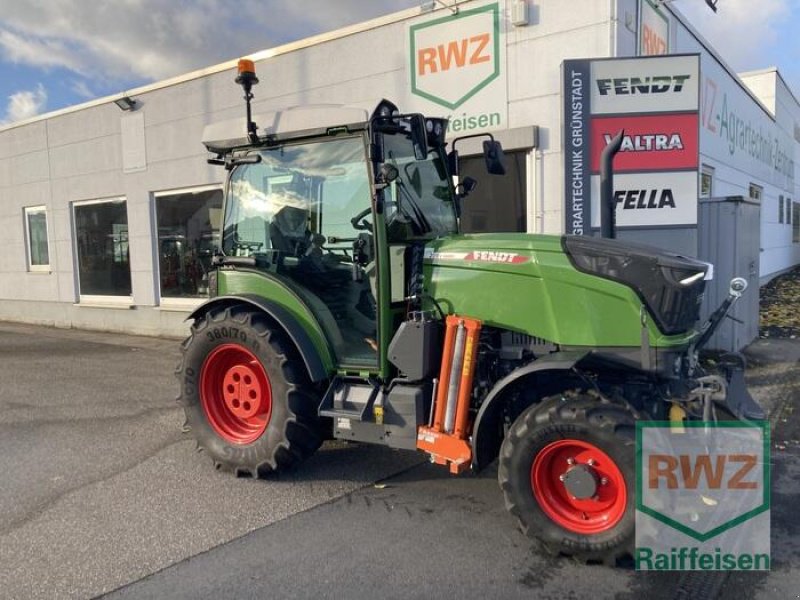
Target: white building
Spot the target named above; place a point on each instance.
(110, 214)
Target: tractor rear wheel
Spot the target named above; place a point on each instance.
(567, 471)
(246, 393)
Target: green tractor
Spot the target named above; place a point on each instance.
(346, 304)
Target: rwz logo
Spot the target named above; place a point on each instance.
(454, 54)
(454, 57)
(701, 479)
(688, 471)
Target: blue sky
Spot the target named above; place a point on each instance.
(56, 53)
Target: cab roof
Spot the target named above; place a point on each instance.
(290, 123)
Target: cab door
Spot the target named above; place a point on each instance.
(307, 209)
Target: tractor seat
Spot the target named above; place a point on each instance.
(289, 231)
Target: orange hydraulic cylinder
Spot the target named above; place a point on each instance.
(444, 373)
(467, 372)
(453, 449)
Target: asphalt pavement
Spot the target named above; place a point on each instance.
(100, 486)
(103, 493)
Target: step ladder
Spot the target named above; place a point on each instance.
(350, 398)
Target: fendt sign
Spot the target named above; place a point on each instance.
(655, 102)
(456, 63)
(645, 85)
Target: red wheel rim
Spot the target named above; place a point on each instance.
(551, 469)
(235, 394)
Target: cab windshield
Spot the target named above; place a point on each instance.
(294, 192)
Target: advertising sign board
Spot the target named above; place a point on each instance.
(456, 67)
(655, 102)
(734, 126)
(653, 30)
(650, 143)
(645, 85)
(665, 198)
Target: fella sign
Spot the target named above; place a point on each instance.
(455, 63)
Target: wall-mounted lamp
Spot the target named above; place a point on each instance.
(430, 5)
(519, 13)
(125, 103)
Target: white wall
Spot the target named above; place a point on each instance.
(535, 54)
(778, 250)
(762, 103)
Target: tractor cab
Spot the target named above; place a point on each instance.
(329, 203)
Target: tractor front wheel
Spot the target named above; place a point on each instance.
(246, 394)
(567, 471)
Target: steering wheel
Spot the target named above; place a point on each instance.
(357, 223)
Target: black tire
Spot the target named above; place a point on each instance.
(291, 432)
(608, 427)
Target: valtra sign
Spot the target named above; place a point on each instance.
(651, 142)
(453, 58)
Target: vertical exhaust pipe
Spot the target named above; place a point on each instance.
(607, 208)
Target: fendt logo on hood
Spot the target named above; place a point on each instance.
(658, 84)
(454, 57)
(496, 257)
(489, 256)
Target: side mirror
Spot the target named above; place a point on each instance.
(494, 157)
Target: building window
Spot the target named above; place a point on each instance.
(188, 223)
(796, 222)
(789, 210)
(101, 238)
(36, 234)
(780, 209)
(706, 182)
(498, 203)
(756, 191)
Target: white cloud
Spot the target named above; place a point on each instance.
(36, 51)
(82, 89)
(741, 30)
(26, 104)
(125, 40)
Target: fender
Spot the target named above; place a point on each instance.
(286, 320)
(486, 438)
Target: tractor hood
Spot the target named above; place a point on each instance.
(570, 290)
